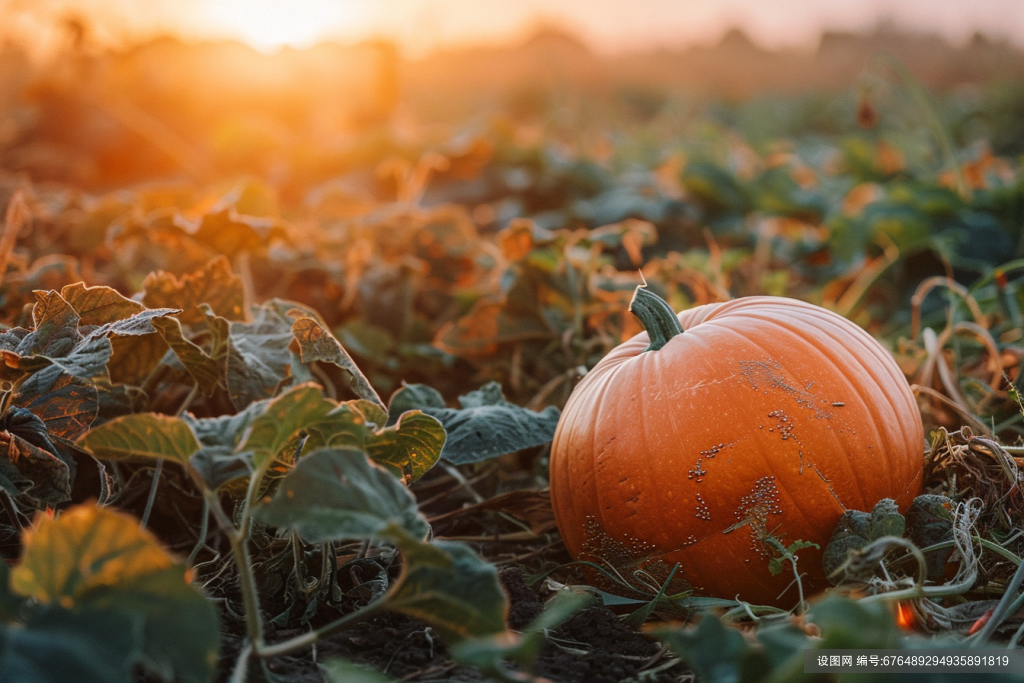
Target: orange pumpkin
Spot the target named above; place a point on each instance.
(766, 416)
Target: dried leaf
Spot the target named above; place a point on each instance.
(214, 285)
(317, 344)
(99, 305)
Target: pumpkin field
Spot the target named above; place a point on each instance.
(359, 382)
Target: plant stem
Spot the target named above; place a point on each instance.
(238, 538)
(308, 639)
(204, 528)
(152, 492)
(656, 315)
(1002, 609)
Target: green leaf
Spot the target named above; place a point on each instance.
(886, 520)
(317, 344)
(59, 646)
(181, 631)
(409, 448)
(340, 494)
(26, 469)
(849, 624)
(85, 548)
(224, 430)
(930, 521)
(259, 360)
(487, 425)
(413, 397)
(137, 325)
(462, 600)
(283, 418)
(207, 371)
(142, 436)
(636, 618)
(714, 652)
(855, 530)
(775, 564)
(344, 671)
(94, 559)
(10, 604)
(56, 327)
(219, 465)
(488, 654)
(86, 361)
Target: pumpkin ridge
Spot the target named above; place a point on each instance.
(839, 444)
(839, 334)
(767, 456)
(762, 448)
(894, 403)
(598, 404)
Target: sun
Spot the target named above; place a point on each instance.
(268, 25)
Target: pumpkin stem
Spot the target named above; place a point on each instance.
(657, 317)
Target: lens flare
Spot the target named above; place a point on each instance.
(904, 616)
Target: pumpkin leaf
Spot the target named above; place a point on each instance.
(317, 344)
(259, 360)
(226, 430)
(142, 436)
(219, 465)
(461, 600)
(230, 233)
(67, 406)
(56, 645)
(486, 426)
(94, 559)
(214, 285)
(137, 325)
(489, 654)
(36, 473)
(208, 371)
(282, 419)
(99, 305)
(86, 361)
(56, 327)
(850, 624)
(339, 493)
(715, 652)
(409, 448)
(886, 520)
(413, 397)
(929, 521)
(134, 358)
(855, 530)
(26, 424)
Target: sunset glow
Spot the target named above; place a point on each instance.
(270, 24)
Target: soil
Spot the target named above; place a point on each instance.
(592, 647)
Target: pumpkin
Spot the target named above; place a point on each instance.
(767, 417)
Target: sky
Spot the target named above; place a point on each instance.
(607, 25)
